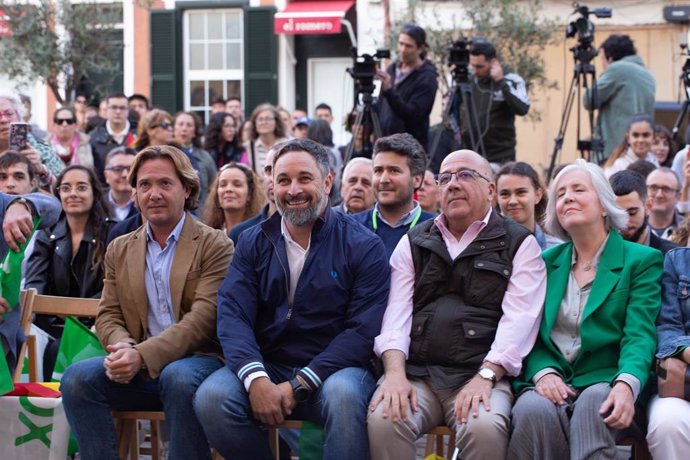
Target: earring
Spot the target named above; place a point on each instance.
(604, 214)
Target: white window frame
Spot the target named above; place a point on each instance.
(189, 75)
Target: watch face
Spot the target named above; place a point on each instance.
(487, 374)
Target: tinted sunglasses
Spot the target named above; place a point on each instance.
(64, 121)
(164, 125)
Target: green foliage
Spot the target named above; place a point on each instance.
(514, 28)
(60, 42)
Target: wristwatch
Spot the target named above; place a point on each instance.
(487, 374)
(301, 391)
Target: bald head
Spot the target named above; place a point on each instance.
(481, 165)
(466, 198)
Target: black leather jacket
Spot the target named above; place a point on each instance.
(52, 270)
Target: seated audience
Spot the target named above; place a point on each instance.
(67, 259)
(596, 342)
(235, 196)
(17, 215)
(155, 128)
(139, 103)
(270, 206)
(157, 316)
(297, 348)
(631, 196)
(300, 128)
(45, 161)
(72, 147)
(636, 145)
(428, 193)
(188, 132)
(399, 163)
(467, 290)
(222, 140)
(357, 192)
(668, 433)
(267, 130)
(663, 146)
(663, 188)
(681, 233)
(118, 162)
(522, 197)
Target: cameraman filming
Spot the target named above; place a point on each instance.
(408, 88)
(498, 97)
(625, 88)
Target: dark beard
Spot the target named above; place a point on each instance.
(636, 236)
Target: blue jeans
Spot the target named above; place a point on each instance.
(340, 406)
(89, 397)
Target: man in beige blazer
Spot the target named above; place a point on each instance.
(157, 316)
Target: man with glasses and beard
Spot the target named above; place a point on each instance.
(297, 316)
(631, 195)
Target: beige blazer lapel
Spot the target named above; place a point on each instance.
(182, 261)
(135, 257)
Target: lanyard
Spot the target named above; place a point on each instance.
(375, 221)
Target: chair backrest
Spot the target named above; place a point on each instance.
(25, 302)
(51, 305)
(63, 306)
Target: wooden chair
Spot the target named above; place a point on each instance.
(434, 442)
(126, 421)
(25, 300)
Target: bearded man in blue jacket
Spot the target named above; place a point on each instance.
(298, 312)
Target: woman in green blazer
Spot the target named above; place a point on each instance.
(597, 339)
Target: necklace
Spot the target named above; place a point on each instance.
(588, 266)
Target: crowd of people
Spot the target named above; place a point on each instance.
(249, 272)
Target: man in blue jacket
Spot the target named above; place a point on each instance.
(297, 315)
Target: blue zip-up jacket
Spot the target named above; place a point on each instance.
(337, 309)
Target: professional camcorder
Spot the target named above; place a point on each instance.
(582, 26)
(459, 59)
(364, 67)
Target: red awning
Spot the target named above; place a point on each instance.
(312, 17)
(4, 26)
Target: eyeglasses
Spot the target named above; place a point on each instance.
(118, 169)
(64, 121)
(80, 188)
(265, 119)
(665, 189)
(164, 125)
(463, 175)
(116, 108)
(9, 114)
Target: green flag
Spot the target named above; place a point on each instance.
(311, 441)
(77, 344)
(6, 383)
(11, 272)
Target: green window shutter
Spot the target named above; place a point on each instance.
(260, 58)
(165, 82)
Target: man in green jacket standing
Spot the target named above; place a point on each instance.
(625, 88)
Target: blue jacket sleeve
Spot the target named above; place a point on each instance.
(671, 329)
(237, 310)
(354, 346)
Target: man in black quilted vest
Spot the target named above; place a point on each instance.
(467, 291)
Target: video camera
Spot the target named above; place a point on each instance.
(459, 58)
(364, 67)
(582, 26)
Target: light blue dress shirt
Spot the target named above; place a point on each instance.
(157, 279)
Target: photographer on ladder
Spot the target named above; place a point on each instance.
(408, 88)
(498, 97)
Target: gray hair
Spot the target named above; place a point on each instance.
(354, 162)
(320, 153)
(615, 217)
(14, 102)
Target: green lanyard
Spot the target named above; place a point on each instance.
(375, 221)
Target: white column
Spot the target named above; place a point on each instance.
(128, 46)
(286, 71)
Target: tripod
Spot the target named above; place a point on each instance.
(684, 80)
(461, 97)
(584, 73)
(367, 120)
